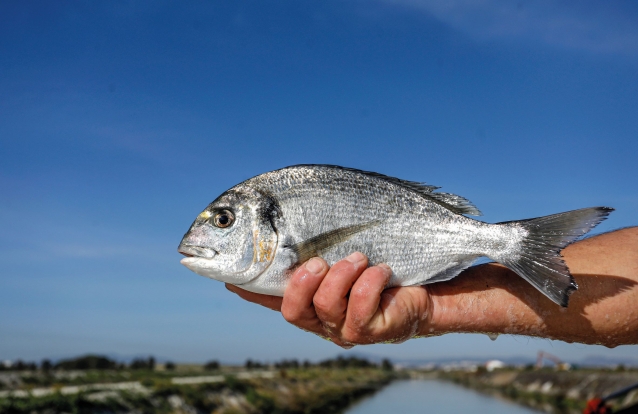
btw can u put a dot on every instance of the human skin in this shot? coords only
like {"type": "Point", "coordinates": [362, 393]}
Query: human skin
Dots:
{"type": "Point", "coordinates": [347, 303]}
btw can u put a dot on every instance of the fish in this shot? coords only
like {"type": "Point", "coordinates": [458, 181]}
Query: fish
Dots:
{"type": "Point", "coordinates": [258, 232]}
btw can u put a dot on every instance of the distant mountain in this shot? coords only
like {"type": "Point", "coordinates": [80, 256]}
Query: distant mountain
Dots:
{"type": "Point", "coordinates": [602, 361]}
{"type": "Point", "coordinates": [415, 362]}
{"type": "Point", "coordinates": [592, 360]}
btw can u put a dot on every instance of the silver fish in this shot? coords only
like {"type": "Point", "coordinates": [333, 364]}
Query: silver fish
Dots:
{"type": "Point", "coordinates": [255, 234]}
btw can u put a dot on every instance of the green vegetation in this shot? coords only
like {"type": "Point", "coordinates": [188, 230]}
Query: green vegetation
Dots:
{"type": "Point", "coordinates": [317, 390]}
{"type": "Point", "coordinates": [85, 362]}
{"type": "Point", "coordinates": [546, 389]}
{"type": "Point", "coordinates": [339, 362]}
{"type": "Point", "coordinates": [292, 387]}
{"type": "Point", "coordinates": [141, 363]}
{"type": "Point", "coordinates": [479, 381]}
{"type": "Point", "coordinates": [212, 365]}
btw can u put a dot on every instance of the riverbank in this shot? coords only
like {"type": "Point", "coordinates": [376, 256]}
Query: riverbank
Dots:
{"type": "Point", "coordinates": [311, 390]}
{"type": "Point", "coordinates": [299, 389]}
{"type": "Point", "coordinates": [564, 392]}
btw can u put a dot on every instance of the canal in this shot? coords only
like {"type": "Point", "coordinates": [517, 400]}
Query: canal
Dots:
{"type": "Point", "coordinates": [419, 396]}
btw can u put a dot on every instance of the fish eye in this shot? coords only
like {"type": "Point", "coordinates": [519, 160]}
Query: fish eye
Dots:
{"type": "Point", "coordinates": [224, 219]}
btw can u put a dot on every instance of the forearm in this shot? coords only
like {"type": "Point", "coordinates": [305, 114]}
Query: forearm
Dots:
{"type": "Point", "coordinates": [491, 298]}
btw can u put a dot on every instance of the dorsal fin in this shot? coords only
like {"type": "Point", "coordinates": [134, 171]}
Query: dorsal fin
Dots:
{"type": "Point", "coordinates": [421, 188]}
{"type": "Point", "coordinates": [456, 203]}
{"type": "Point", "coordinates": [452, 202]}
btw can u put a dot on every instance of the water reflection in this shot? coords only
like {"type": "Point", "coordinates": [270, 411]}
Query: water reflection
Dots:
{"type": "Point", "coordinates": [418, 396]}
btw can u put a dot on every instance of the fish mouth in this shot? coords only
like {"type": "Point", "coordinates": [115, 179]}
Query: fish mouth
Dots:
{"type": "Point", "coordinates": [197, 251]}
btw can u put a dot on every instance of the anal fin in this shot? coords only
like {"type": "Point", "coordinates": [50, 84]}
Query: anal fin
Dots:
{"type": "Point", "coordinates": [453, 270]}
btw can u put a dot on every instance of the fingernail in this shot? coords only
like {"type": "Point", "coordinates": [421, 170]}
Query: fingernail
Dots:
{"type": "Point", "coordinates": [314, 265]}
{"type": "Point", "coordinates": [385, 267]}
{"type": "Point", "coordinates": [356, 257]}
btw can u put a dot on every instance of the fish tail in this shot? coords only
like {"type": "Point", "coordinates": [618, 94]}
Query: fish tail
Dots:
{"type": "Point", "coordinates": [539, 260]}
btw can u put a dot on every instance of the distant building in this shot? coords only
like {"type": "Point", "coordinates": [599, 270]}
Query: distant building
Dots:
{"type": "Point", "coordinates": [467, 366]}
{"type": "Point", "coordinates": [494, 364]}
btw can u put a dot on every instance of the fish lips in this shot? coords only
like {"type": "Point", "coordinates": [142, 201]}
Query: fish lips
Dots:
{"type": "Point", "coordinates": [206, 266]}
{"type": "Point", "coordinates": [191, 251]}
{"type": "Point", "coordinates": [197, 259]}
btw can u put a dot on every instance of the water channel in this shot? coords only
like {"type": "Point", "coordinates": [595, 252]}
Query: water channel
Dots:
{"type": "Point", "coordinates": [431, 396]}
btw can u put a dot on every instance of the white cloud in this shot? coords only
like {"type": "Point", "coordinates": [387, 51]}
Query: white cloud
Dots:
{"type": "Point", "coordinates": [587, 26]}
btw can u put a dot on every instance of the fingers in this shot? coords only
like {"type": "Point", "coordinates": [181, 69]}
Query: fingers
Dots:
{"type": "Point", "coordinates": [271, 302]}
{"type": "Point", "coordinates": [330, 300]}
{"type": "Point", "coordinates": [365, 297]}
{"type": "Point", "coordinates": [348, 303]}
{"type": "Point", "coordinates": [297, 307]}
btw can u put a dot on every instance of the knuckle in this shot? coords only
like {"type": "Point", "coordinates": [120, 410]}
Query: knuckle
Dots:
{"type": "Point", "coordinates": [322, 303]}
{"type": "Point", "coordinates": [356, 324]}
{"type": "Point", "coordinates": [329, 327]}
{"type": "Point", "coordinates": [342, 268]}
{"type": "Point", "coordinates": [378, 274]}
{"type": "Point", "coordinates": [290, 317]}
{"type": "Point", "coordinates": [359, 293]}
{"type": "Point", "coordinates": [291, 314]}
{"type": "Point", "coordinates": [297, 279]}
{"type": "Point", "coordinates": [352, 337]}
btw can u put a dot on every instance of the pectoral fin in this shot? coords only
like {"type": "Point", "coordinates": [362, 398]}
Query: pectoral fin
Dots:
{"type": "Point", "coordinates": [314, 245]}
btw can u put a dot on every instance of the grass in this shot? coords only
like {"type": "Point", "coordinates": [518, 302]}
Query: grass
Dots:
{"type": "Point", "coordinates": [300, 390]}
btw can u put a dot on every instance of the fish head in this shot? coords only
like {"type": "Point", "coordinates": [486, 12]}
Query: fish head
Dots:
{"type": "Point", "coordinates": [234, 239]}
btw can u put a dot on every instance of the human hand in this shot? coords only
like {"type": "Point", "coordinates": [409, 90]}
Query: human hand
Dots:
{"type": "Point", "coordinates": [347, 303]}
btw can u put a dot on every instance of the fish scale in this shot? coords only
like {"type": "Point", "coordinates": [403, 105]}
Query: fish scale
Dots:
{"type": "Point", "coordinates": [281, 218]}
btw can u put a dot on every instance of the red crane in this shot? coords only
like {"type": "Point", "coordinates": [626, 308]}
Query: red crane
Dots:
{"type": "Point", "coordinates": [560, 365]}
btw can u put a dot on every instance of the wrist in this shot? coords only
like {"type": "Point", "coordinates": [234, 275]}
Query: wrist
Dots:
{"type": "Point", "coordinates": [483, 299]}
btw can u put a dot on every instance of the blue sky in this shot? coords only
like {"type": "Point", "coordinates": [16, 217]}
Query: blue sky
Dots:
{"type": "Point", "coordinates": [120, 121]}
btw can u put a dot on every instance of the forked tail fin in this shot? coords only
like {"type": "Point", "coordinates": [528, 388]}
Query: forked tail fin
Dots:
{"type": "Point", "coordinates": [540, 262]}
